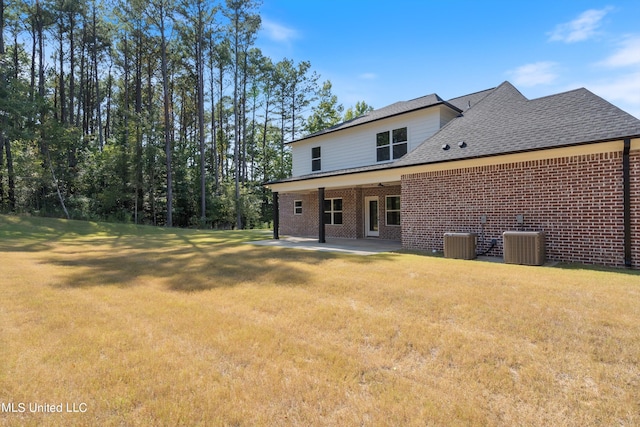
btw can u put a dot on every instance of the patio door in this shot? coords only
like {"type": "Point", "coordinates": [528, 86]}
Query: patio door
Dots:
{"type": "Point", "coordinates": [371, 216]}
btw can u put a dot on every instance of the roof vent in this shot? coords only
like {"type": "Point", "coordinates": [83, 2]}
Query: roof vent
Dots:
{"type": "Point", "coordinates": [445, 147]}
{"type": "Point", "coordinates": [462, 144]}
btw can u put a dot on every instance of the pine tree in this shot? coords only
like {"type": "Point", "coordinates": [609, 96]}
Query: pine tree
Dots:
{"type": "Point", "coordinates": [327, 112]}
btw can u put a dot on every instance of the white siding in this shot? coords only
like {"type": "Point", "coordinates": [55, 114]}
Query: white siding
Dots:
{"type": "Point", "coordinates": [356, 147]}
{"type": "Point", "coordinates": [447, 115]}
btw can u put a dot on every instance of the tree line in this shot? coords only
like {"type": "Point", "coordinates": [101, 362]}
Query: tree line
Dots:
{"type": "Point", "coordinates": [158, 112]}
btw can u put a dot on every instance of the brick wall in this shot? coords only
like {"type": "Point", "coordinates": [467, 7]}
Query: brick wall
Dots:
{"type": "Point", "coordinates": [305, 225]}
{"type": "Point", "coordinates": [577, 201]}
{"type": "Point", "coordinates": [635, 207]}
{"type": "Point", "coordinates": [387, 232]}
{"type": "Point", "coordinates": [350, 220]}
{"type": "Point", "coordinates": [352, 226]}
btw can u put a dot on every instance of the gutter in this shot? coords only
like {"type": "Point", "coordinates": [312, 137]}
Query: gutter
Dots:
{"type": "Point", "coordinates": [626, 191]}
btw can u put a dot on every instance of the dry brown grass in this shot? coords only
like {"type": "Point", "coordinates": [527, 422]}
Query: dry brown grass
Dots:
{"type": "Point", "coordinates": [167, 327]}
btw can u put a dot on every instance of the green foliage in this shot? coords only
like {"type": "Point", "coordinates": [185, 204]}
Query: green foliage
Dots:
{"type": "Point", "coordinates": [327, 112]}
{"type": "Point", "coordinates": [360, 109]}
{"type": "Point", "coordinates": [106, 193]}
{"type": "Point", "coordinates": [86, 127]}
{"type": "Point", "coordinates": [223, 212]}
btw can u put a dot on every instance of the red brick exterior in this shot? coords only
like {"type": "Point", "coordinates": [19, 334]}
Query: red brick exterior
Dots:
{"type": "Point", "coordinates": [352, 213]}
{"type": "Point", "coordinates": [577, 201]}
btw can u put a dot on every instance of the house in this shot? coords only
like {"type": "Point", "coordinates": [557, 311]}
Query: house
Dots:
{"type": "Point", "coordinates": [489, 162]}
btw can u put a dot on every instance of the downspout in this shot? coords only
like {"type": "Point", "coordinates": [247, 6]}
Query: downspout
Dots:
{"type": "Point", "coordinates": [626, 190]}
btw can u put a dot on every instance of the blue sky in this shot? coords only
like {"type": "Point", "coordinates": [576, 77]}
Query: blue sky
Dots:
{"type": "Point", "coordinates": [387, 51]}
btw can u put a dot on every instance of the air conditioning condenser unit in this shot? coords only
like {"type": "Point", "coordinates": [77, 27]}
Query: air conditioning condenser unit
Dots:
{"type": "Point", "coordinates": [524, 247]}
{"type": "Point", "coordinates": [460, 245]}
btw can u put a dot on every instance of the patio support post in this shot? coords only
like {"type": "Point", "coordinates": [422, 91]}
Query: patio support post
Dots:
{"type": "Point", "coordinates": [321, 236]}
{"type": "Point", "coordinates": [276, 216]}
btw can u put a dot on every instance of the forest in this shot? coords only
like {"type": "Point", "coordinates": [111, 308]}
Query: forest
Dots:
{"type": "Point", "coordinates": [160, 112]}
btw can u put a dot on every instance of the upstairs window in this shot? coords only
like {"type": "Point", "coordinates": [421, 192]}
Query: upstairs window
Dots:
{"type": "Point", "coordinates": [382, 144]}
{"type": "Point", "coordinates": [315, 159]}
{"type": "Point", "coordinates": [391, 145]}
{"type": "Point", "coordinates": [399, 146]}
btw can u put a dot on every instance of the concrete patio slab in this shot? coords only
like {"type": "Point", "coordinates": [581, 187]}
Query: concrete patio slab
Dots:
{"type": "Point", "coordinates": [345, 246]}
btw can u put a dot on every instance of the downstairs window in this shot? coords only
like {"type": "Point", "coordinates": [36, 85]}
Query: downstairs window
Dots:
{"type": "Point", "coordinates": [333, 211]}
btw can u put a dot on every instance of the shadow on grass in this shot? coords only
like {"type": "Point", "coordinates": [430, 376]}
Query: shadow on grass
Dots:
{"type": "Point", "coordinates": [195, 266]}
{"type": "Point", "coordinates": [27, 234]}
{"type": "Point", "coordinates": [592, 267]}
{"type": "Point", "coordinates": [96, 254]}
{"type": "Point", "coordinates": [183, 269]}
{"type": "Point", "coordinates": [36, 234]}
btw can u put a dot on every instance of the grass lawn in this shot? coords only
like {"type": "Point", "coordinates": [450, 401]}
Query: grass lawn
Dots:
{"type": "Point", "coordinates": [144, 326]}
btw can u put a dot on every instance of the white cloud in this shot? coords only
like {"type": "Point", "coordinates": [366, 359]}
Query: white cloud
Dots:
{"type": "Point", "coordinates": [368, 76]}
{"type": "Point", "coordinates": [625, 88]}
{"type": "Point", "coordinates": [582, 28]}
{"type": "Point", "coordinates": [627, 54]}
{"type": "Point", "coordinates": [538, 73]}
{"type": "Point", "coordinates": [278, 32]}
{"type": "Point", "coordinates": [622, 89]}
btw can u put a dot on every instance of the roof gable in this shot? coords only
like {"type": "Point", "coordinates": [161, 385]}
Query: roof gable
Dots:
{"type": "Point", "coordinates": [392, 110]}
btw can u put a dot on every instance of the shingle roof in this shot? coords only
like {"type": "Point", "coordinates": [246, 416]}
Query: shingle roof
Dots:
{"type": "Point", "coordinates": [467, 101]}
{"type": "Point", "coordinates": [504, 121]}
{"type": "Point", "coordinates": [395, 109]}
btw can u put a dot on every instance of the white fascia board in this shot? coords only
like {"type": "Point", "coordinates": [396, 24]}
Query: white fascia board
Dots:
{"type": "Point", "coordinates": [339, 181]}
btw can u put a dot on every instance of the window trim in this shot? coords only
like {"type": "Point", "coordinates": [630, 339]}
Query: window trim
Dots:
{"type": "Point", "coordinates": [296, 207]}
{"type": "Point", "coordinates": [333, 211]}
{"type": "Point", "coordinates": [383, 148]}
{"type": "Point", "coordinates": [404, 142]}
{"type": "Point", "coordinates": [389, 147]}
{"type": "Point", "coordinates": [316, 161]}
{"type": "Point", "coordinates": [387, 211]}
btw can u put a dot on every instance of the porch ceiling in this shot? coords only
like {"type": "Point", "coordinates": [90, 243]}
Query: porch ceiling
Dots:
{"type": "Point", "coordinates": [363, 180]}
